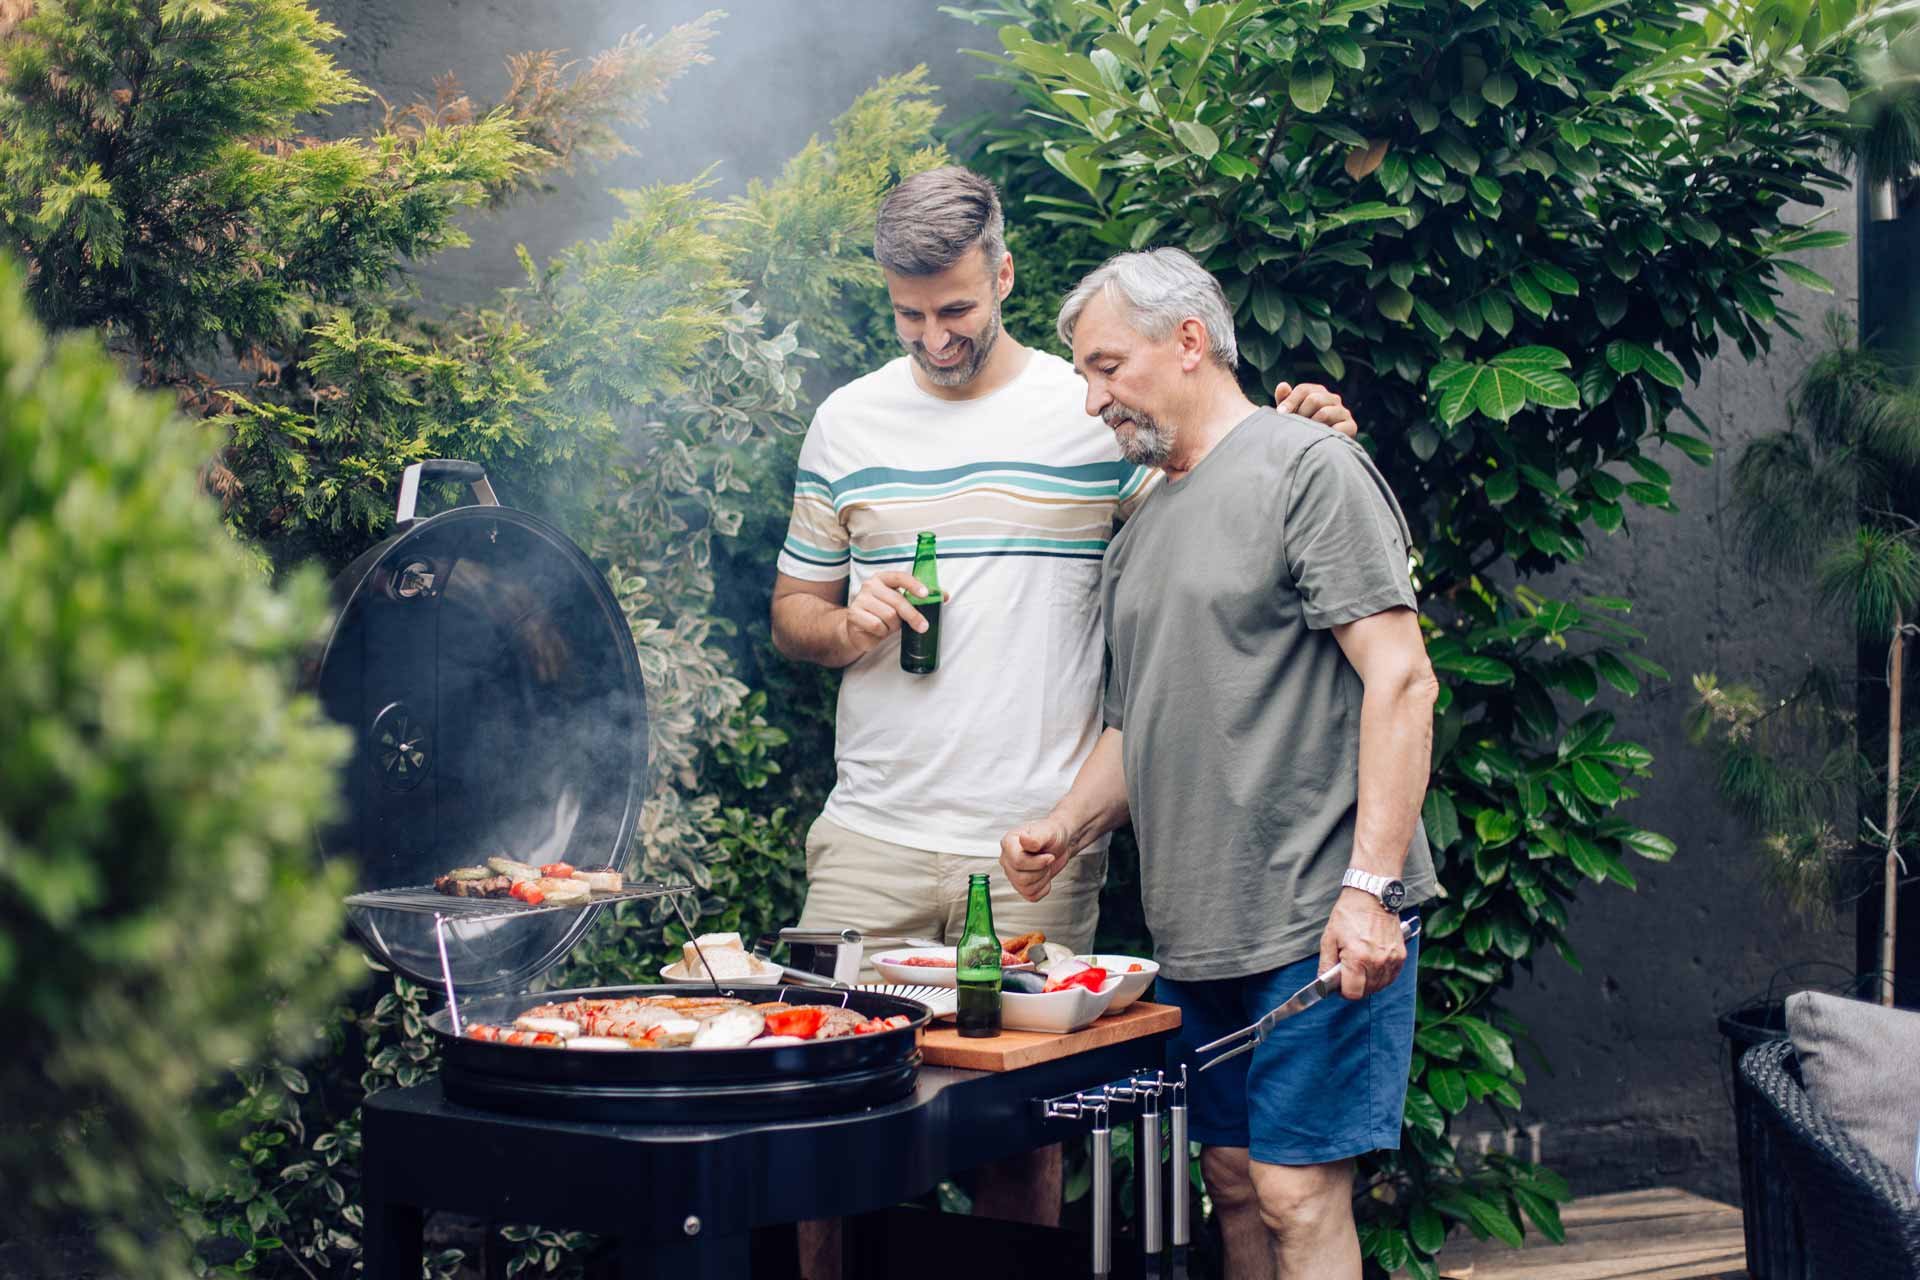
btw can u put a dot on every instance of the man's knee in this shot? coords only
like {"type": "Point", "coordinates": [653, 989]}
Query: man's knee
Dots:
{"type": "Point", "coordinates": [1226, 1170]}
{"type": "Point", "coordinates": [1303, 1202]}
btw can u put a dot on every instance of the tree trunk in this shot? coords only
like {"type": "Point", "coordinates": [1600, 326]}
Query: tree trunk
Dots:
{"type": "Point", "coordinates": [1896, 660]}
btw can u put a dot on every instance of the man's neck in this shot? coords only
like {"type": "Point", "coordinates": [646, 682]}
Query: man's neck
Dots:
{"type": "Point", "coordinates": [1217, 411]}
{"type": "Point", "coordinates": [1004, 363]}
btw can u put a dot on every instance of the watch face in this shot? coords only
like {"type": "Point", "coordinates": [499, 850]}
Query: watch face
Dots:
{"type": "Point", "coordinates": [1393, 895]}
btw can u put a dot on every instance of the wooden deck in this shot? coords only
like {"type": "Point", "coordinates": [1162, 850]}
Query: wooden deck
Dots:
{"type": "Point", "coordinates": [1662, 1234]}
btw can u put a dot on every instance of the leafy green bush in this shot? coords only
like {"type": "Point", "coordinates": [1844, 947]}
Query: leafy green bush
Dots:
{"type": "Point", "coordinates": [1511, 233]}
{"type": "Point", "coordinates": [161, 916]}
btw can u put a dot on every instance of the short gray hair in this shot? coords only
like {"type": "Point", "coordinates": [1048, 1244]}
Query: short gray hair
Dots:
{"type": "Point", "coordinates": [1158, 289]}
{"type": "Point", "coordinates": [927, 223]}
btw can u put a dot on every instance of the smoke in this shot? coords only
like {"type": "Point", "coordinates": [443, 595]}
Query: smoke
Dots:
{"type": "Point", "coordinates": [781, 70]}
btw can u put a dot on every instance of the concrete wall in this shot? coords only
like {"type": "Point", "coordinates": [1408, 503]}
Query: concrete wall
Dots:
{"type": "Point", "coordinates": [1636, 1091]}
{"type": "Point", "coordinates": [1636, 1096]}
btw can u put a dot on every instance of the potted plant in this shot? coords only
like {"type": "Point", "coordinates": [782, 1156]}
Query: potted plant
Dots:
{"type": "Point", "coordinates": [1822, 498]}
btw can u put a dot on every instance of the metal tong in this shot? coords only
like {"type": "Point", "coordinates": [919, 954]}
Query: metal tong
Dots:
{"type": "Point", "coordinates": [1246, 1039]}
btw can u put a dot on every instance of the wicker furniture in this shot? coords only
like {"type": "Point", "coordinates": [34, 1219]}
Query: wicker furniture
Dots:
{"type": "Point", "coordinates": [1858, 1218]}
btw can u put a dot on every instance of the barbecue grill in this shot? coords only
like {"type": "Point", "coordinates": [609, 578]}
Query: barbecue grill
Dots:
{"type": "Point", "coordinates": [492, 685]}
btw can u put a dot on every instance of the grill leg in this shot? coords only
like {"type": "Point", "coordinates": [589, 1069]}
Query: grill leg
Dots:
{"type": "Point", "coordinates": [390, 1241]}
{"type": "Point", "coordinates": [701, 1257]}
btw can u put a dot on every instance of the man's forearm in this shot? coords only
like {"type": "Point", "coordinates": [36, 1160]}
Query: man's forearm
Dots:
{"type": "Point", "coordinates": [1396, 757]}
{"type": "Point", "coordinates": [1097, 801]}
{"type": "Point", "coordinates": [808, 628]}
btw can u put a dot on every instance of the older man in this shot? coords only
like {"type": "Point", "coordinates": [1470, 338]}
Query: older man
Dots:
{"type": "Point", "coordinates": [1269, 723]}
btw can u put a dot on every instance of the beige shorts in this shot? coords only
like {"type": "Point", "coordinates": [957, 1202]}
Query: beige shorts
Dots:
{"type": "Point", "coordinates": [877, 887]}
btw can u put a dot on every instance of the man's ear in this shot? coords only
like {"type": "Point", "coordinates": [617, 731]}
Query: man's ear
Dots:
{"type": "Point", "coordinates": [1003, 280]}
{"type": "Point", "coordinates": [1193, 343]}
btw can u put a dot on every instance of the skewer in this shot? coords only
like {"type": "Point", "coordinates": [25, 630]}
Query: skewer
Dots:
{"type": "Point", "coordinates": [1149, 1166]}
{"type": "Point", "coordinates": [1102, 1193]}
{"type": "Point", "coordinates": [1181, 1190]}
{"type": "Point", "coordinates": [446, 972]}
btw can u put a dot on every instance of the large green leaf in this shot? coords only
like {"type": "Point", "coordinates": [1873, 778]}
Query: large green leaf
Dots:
{"type": "Point", "coordinates": [1310, 86]}
{"type": "Point", "coordinates": [1595, 781]}
{"type": "Point", "coordinates": [1197, 138]}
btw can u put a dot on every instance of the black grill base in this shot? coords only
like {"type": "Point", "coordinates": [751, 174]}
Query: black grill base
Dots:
{"type": "Point", "coordinates": [672, 1104]}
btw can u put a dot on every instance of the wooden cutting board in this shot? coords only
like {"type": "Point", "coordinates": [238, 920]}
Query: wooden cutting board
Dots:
{"type": "Point", "coordinates": [1011, 1050]}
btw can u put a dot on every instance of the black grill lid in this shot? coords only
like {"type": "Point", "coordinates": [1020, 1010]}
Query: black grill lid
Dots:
{"type": "Point", "coordinates": [491, 683]}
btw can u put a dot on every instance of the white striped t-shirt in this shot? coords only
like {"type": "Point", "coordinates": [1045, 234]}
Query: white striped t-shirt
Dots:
{"type": "Point", "coordinates": [1022, 489]}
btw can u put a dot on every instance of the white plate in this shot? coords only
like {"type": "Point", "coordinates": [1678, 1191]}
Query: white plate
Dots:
{"type": "Point", "coordinates": [1058, 1011]}
{"type": "Point", "coordinates": [1132, 985]}
{"type": "Point", "coordinates": [888, 963]}
{"type": "Point", "coordinates": [766, 975]}
{"type": "Point", "coordinates": [939, 999]}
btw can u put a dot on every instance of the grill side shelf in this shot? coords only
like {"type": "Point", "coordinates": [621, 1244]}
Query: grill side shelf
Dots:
{"type": "Point", "coordinates": [426, 900]}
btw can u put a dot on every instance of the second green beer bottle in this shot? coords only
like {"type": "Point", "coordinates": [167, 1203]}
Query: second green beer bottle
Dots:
{"type": "Point", "coordinates": [920, 650]}
{"type": "Point", "coordinates": [977, 965]}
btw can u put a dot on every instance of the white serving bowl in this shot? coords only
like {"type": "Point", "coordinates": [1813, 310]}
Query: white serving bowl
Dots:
{"type": "Point", "coordinates": [1058, 1011]}
{"type": "Point", "coordinates": [893, 967]}
{"type": "Point", "coordinates": [765, 975]}
{"type": "Point", "coordinates": [1132, 985]}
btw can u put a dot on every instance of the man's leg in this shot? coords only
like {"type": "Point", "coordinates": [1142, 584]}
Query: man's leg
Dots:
{"type": "Point", "coordinates": [1245, 1242]}
{"type": "Point", "coordinates": [1308, 1212]}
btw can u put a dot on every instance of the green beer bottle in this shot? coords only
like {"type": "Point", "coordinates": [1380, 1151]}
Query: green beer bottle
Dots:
{"type": "Point", "coordinates": [920, 650]}
{"type": "Point", "coordinates": [977, 971]}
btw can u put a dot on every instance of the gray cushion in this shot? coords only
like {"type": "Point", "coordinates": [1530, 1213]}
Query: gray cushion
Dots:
{"type": "Point", "coordinates": [1861, 1065]}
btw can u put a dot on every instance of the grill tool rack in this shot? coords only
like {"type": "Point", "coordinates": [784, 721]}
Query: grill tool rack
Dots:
{"type": "Point", "coordinates": [1144, 1092]}
{"type": "Point", "coordinates": [426, 900]}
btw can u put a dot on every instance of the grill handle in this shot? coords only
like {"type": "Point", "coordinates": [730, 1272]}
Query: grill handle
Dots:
{"type": "Point", "coordinates": [471, 474]}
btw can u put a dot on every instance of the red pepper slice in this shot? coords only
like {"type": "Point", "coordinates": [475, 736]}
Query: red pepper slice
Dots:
{"type": "Point", "coordinates": [801, 1020]}
{"type": "Point", "coordinates": [557, 870]}
{"type": "Point", "coordinates": [1092, 979]}
{"type": "Point", "coordinates": [528, 894]}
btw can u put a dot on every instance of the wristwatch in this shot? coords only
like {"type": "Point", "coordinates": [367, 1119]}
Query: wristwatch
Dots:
{"type": "Point", "coordinates": [1390, 891]}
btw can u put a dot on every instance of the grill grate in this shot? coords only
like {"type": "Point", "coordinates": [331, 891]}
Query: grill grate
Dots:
{"type": "Point", "coordinates": [426, 900]}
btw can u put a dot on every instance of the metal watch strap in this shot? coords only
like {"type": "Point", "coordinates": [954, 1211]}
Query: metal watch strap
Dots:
{"type": "Point", "coordinates": [1366, 882]}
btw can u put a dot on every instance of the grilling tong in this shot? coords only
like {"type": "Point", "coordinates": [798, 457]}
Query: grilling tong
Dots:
{"type": "Point", "coordinates": [1248, 1038]}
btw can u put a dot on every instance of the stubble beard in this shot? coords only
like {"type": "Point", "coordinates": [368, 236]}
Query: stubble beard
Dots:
{"type": "Point", "coordinates": [1147, 443]}
{"type": "Point", "coordinates": [959, 375]}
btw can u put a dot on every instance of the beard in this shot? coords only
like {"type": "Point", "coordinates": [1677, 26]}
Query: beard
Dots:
{"type": "Point", "coordinates": [973, 355]}
{"type": "Point", "coordinates": [1149, 443]}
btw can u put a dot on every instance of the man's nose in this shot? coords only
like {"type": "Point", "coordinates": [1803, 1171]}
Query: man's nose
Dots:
{"type": "Point", "coordinates": [936, 339]}
{"type": "Point", "coordinates": [1097, 400]}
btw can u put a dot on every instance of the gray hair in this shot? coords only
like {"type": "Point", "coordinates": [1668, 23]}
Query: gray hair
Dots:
{"type": "Point", "coordinates": [1158, 290]}
{"type": "Point", "coordinates": [927, 223]}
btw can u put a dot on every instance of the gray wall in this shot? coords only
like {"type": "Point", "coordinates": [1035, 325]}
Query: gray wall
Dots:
{"type": "Point", "coordinates": [1635, 1096]}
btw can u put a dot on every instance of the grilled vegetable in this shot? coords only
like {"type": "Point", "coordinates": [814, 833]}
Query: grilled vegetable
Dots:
{"type": "Point", "coordinates": [559, 870]}
{"type": "Point", "coordinates": [525, 891]}
{"type": "Point", "coordinates": [516, 871]}
{"type": "Point", "coordinates": [470, 873]}
{"type": "Point", "coordinates": [801, 1020]}
{"type": "Point", "coordinates": [601, 879]}
{"type": "Point", "coordinates": [558, 890]}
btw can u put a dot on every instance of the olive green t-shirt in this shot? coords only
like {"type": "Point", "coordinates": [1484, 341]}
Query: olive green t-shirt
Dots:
{"type": "Point", "coordinates": [1241, 715]}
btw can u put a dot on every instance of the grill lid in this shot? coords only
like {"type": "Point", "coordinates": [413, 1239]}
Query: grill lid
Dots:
{"type": "Point", "coordinates": [492, 686]}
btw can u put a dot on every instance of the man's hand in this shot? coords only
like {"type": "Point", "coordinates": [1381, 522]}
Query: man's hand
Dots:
{"type": "Point", "coordinates": [1311, 400]}
{"type": "Point", "coordinates": [1364, 940]}
{"type": "Point", "coordinates": [1033, 853]}
{"type": "Point", "coordinates": [881, 608]}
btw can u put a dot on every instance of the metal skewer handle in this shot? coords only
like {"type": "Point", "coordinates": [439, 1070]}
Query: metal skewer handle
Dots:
{"type": "Point", "coordinates": [1178, 1112]}
{"type": "Point", "coordinates": [1102, 1194]}
{"type": "Point", "coordinates": [1149, 1165]}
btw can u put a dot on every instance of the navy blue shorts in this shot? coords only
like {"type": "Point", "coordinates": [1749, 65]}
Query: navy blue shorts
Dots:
{"type": "Point", "coordinates": [1328, 1083]}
